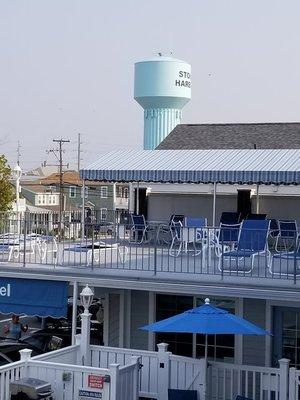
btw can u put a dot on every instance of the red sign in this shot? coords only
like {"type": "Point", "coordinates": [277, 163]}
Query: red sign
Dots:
{"type": "Point", "coordinates": [95, 381]}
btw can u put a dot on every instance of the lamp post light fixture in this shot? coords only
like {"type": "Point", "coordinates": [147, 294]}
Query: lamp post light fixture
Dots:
{"type": "Point", "coordinates": [86, 297]}
{"type": "Point", "coordinates": [17, 173]}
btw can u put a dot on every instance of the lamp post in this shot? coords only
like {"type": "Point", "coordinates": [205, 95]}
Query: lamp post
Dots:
{"type": "Point", "coordinates": [17, 173]}
{"type": "Point", "coordinates": [86, 297]}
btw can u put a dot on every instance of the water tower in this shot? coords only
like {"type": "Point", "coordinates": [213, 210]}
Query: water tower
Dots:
{"type": "Point", "coordinates": [162, 86]}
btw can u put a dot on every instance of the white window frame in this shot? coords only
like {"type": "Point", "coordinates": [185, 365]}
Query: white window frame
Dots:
{"type": "Point", "coordinates": [72, 192]}
{"type": "Point", "coordinates": [103, 211]}
{"type": "Point", "coordinates": [103, 192]}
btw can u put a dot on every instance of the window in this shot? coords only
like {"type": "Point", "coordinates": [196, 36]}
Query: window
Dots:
{"type": "Point", "coordinates": [220, 347]}
{"type": "Point", "coordinates": [167, 306]}
{"type": "Point", "coordinates": [72, 192]}
{"type": "Point", "coordinates": [103, 214]}
{"type": "Point", "coordinates": [103, 192]}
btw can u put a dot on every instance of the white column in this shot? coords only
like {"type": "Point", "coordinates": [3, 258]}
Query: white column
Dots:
{"type": "Point", "coordinates": [214, 204]}
{"type": "Point", "coordinates": [164, 371]}
{"type": "Point", "coordinates": [131, 197]}
{"type": "Point", "coordinates": [85, 338]}
{"type": "Point", "coordinates": [114, 377]}
{"type": "Point", "coordinates": [74, 311]}
{"type": "Point", "coordinates": [257, 198]}
{"type": "Point", "coordinates": [138, 198]}
{"type": "Point", "coordinates": [284, 378]}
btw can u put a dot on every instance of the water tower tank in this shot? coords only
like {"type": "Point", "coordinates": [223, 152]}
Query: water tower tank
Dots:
{"type": "Point", "coordinates": [162, 86]}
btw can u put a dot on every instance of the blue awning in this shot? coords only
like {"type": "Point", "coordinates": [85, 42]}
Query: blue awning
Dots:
{"type": "Point", "coordinates": [33, 297]}
{"type": "Point", "coordinates": [278, 166]}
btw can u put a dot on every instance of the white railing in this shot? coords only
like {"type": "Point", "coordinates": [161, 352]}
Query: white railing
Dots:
{"type": "Point", "coordinates": [66, 380]}
{"type": "Point", "coordinates": [102, 356]}
{"type": "Point", "coordinates": [186, 373]}
{"type": "Point", "coordinates": [120, 383]}
{"type": "Point", "coordinates": [9, 373]}
{"type": "Point", "coordinates": [226, 381]}
{"type": "Point", "coordinates": [294, 384]}
{"type": "Point", "coordinates": [160, 370]}
{"type": "Point", "coordinates": [67, 355]}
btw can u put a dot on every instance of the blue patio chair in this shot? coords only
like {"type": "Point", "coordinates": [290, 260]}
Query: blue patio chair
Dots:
{"type": "Point", "coordinates": [252, 242]}
{"type": "Point", "coordinates": [256, 216]}
{"type": "Point", "coordinates": [177, 394]}
{"type": "Point", "coordinates": [184, 237]}
{"type": "Point", "coordinates": [229, 218]}
{"type": "Point", "coordinates": [288, 234]}
{"type": "Point", "coordinates": [227, 237]}
{"type": "Point", "coordinates": [286, 263]}
{"type": "Point", "coordinates": [242, 398]}
{"type": "Point", "coordinates": [139, 229]}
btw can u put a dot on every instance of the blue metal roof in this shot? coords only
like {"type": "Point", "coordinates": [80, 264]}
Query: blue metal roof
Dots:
{"type": "Point", "coordinates": [197, 166]}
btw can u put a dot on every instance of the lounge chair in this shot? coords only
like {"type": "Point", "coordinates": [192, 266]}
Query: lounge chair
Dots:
{"type": "Point", "coordinates": [177, 394]}
{"type": "Point", "coordinates": [192, 232]}
{"type": "Point", "coordinates": [256, 216]}
{"type": "Point", "coordinates": [252, 243]}
{"type": "Point", "coordinates": [230, 218]}
{"type": "Point", "coordinates": [288, 234]}
{"type": "Point", "coordinates": [226, 238]}
{"type": "Point", "coordinates": [139, 229]}
{"type": "Point", "coordinates": [285, 263]}
{"type": "Point", "coordinates": [164, 234]}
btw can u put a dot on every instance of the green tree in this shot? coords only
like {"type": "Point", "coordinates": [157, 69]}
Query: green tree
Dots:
{"type": "Point", "coordinates": [7, 194]}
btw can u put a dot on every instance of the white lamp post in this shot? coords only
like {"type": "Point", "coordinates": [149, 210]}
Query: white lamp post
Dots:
{"type": "Point", "coordinates": [17, 173]}
{"type": "Point", "coordinates": [86, 297]}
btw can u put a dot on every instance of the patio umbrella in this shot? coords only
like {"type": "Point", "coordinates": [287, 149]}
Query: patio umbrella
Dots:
{"type": "Point", "coordinates": [206, 320]}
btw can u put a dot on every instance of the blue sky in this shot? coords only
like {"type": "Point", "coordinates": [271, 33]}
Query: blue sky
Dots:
{"type": "Point", "coordinates": [67, 67]}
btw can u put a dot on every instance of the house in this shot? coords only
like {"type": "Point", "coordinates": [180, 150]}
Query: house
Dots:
{"type": "Point", "coordinates": [101, 201]}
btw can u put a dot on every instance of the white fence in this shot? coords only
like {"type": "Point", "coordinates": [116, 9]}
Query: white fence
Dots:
{"type": "Point", "coordinates": [131, 373]}
{"type": "Point", "coordinates": [160, 370]}
{"type": "Point", "coordinates": [120, 383]}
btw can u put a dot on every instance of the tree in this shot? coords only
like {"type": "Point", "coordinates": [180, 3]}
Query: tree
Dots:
{"type": "Point", "coordinates": [7, 194]}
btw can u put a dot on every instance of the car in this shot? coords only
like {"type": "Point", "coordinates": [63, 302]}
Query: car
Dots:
{"type": "Point", "coordinates": [39, 342]}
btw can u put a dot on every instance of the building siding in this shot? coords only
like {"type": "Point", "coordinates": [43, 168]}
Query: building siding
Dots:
{"type": "Point", "coordinates": [139, 317]}
{"type": "Point", "coordinates": [113, 320]}
{"type": "Point", "coordinates": [254, 346]}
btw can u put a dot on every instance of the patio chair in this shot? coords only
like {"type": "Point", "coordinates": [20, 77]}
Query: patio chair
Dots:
{"type": "Point", "coordinates": [191, 232]}
{"type": "Point", "coordinates": [252, 243]}
{"type": "Point", "coordinates": [256, 216]}
{"type": "Point", "coordinates": [227, 237]}
{"type": "Point", "coordinates": [288, 234]}
{"type": "Point", "coordinates": [177, 394]}
{"type": "Point", "coordinates": [139, 229]}
{"type": "Point", "coordinates": [242, 398]}
{"type": "Point", "coordinates": [286, 263]}
{"type": "Point", "coordinates": [164, 233]}
{"type": "Point", "coordinates": [230, 218]}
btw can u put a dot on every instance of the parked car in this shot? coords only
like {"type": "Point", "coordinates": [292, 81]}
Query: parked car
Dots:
{"type": "Point", "coordinates": [57, 335]}
{"type": "Point", "coordinates": [39, 342]}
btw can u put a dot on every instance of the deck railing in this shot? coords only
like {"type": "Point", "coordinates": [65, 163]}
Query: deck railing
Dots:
{"type": "Point", "coordinates": [154, 249]}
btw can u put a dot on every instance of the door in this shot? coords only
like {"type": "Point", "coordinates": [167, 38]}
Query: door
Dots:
{"type": "Point", "coordinates": [286, 331]}
{"type": "Point", "coordinates": [244, 203]}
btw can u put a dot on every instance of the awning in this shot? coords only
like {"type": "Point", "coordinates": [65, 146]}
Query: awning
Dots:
{"type": "Point", "coordinates": [33, 297]}
{"type": "Point", "coordinates": [197, 166]}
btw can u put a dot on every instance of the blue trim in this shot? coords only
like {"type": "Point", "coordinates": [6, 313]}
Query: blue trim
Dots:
{"type": "Point", "coordinates": [172, 176]}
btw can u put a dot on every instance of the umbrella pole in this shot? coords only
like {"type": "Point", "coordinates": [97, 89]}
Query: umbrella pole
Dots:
{"type": "Point", "coordinates": [205, 354]}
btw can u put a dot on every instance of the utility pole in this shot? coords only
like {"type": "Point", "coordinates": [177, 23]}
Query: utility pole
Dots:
{"type": "Point", "coordinates": [79, 143]}
{"type": "Point", "coordinates": [59, 155]}
{"type": "Point", "coordinates": [18, 153]}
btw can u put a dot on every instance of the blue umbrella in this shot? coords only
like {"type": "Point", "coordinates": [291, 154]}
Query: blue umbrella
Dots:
{"type": "Point", "coordinates": [206, 320]}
